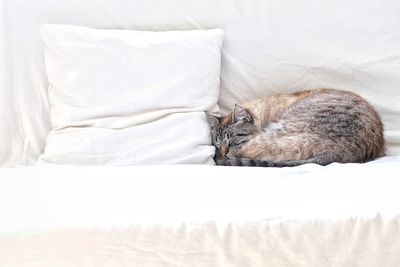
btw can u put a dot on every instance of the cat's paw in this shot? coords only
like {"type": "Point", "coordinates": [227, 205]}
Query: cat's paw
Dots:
{"type": "Point", "coordinates": [218, 160]}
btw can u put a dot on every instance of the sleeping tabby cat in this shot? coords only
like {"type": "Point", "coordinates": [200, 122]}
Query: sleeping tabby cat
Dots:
{"type": "Point", "coordinates": [314, 126]}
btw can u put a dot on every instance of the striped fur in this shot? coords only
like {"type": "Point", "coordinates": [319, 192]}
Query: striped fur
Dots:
{"type": "Point", "coordinates": [260, 163]}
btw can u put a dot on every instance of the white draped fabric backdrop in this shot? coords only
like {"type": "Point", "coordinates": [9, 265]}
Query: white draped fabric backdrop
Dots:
{"type": "Point", "coordinates": [270, 46]}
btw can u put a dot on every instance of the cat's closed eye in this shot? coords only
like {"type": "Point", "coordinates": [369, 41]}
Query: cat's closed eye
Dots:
{"type": "Point", "coordinates": [236, 141]}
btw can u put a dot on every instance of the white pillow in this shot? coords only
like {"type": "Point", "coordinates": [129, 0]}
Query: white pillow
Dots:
{"type": "Point", "coordinates": [122, 97]}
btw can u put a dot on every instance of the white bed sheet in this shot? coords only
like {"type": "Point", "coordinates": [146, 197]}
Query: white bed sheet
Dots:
{"type": "Point", "coordinates": [339, 215]}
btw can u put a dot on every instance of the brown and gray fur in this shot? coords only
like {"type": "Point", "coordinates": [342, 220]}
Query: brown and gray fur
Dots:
{"type": "Point", "coordinates": [315, 126]}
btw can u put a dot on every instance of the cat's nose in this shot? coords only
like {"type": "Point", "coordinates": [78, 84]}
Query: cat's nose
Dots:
{"type": "Point", "coordinates": [223, 150]}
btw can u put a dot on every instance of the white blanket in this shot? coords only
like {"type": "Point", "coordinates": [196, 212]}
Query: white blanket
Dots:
{"type": "Point", "coordinates": [339, 215]}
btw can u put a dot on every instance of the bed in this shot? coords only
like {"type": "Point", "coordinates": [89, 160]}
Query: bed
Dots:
{"type": "Point", "coordinates": [200, 214]}
{"type": "Point", "coordinates": [193, 215]}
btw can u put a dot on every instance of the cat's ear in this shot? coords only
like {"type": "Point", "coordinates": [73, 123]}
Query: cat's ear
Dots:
{"type": "Point", "coordinates": [241, 114]}
{"type": "Point", "coordinates": [212, 120]}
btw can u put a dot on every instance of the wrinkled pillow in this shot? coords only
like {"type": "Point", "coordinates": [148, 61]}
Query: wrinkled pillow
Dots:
{"type": "Point", "coordinates": [125, 97]}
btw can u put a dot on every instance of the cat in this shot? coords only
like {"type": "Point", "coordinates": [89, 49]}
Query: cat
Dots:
{"type": "Point", "coordinates": [319, 126]}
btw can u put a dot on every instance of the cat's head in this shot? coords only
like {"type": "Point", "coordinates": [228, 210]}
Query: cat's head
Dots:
{"type": "Point", "coordinates": [231, 130]}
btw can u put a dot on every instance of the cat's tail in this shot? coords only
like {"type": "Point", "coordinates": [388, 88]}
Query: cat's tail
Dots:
{"type": "Point", "coordinates": [261, 163]}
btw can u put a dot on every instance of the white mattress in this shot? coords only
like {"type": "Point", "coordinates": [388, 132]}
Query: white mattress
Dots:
{"type": "Point", "coordinates": [339, 215]}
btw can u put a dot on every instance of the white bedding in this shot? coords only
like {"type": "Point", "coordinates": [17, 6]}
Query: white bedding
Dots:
{"type": "Point", "coordinates": [339, 215]}
{"type": "Point", "coordinates": [194, 215]}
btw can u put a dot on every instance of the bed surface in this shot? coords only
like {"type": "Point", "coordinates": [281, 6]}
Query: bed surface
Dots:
{"type": "Point", "coordinates": [338, 215]}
